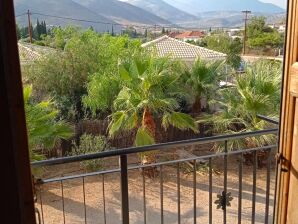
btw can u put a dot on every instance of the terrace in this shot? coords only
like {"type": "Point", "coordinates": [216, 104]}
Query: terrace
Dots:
{"type": "Point", "coordinates": [224, 187]}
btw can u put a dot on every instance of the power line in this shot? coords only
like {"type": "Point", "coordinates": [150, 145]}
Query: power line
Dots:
{"type": "Point", "coordinates": [23, 14]}
{"type": "Point", "coordinates": [91, 21]}
{"type": "Point", "coordinates": [153, 26]}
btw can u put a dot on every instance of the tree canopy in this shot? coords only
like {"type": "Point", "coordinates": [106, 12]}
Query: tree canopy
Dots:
{"type": "Point", "coordinates": [261, 35]}
{"type": "Point", "coordinates": [63, 75]}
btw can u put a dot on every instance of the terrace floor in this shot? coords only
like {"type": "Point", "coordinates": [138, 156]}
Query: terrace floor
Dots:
{"type": "Point", "coordinates": [74, 200]}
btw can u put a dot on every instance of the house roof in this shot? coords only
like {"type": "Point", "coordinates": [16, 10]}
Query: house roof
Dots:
{"type": "Point", "coordinates": [29, 52]}
{"type": "Point", "coordinates": [167, 46]}
{"type": "Point", "coordinates": [190, 34]}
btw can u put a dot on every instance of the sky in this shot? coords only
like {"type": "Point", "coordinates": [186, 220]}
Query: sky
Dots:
{"type": "Point", "coordinates": [281, 3]}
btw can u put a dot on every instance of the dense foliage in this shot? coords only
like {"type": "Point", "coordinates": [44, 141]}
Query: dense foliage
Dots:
{"type": "Point", "coordinates": [39, 30]}
{"type": "Point", "coordinates": [255, 92]}
{"type": "Point", "coordinates": [43, 127]}
{"type": "Point", "coordinates": [63, 75]}
{"type": "Point", "coordinates": [203, 79]}
{"type": "Point", "coordinates": [261, 35]}
{"type": "Point", "coordinates": [89, 74]}
{"type": "Point", "coordinates": [223, 43]}
{"type": "Point", "coordinates": [90, 144]}
{"type": "Point", "coordinates": [148, 87]}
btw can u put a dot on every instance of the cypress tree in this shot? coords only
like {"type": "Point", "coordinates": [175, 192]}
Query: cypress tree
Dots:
{"type": "Point", "coordinates": [146, 33]}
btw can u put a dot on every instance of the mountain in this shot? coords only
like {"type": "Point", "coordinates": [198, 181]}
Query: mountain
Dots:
{"type": "Point", "coordinates": [122, 12]}
{"type": "Point", "coordinates": [65, 8]}
{"type": "Point", "coordinates": [105, 12]}
{"type": "Point", "coordinates": [196, 7]}
{"type": "Point", "coordinates": [220, 19]}
{"type": "Point", "coordinates": [163, 10]}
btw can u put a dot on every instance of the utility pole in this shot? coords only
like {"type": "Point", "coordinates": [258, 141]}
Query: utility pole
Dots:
{"type": "Point", "coordinates": [29, 26]}
{"type": "Point", "coordinates": [155, 31]}
{"type": "Point", "coordinates": [246, 12]}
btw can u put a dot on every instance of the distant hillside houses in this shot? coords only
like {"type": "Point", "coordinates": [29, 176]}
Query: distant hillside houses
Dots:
{"type": "Point", "coordinates": [279, 27]}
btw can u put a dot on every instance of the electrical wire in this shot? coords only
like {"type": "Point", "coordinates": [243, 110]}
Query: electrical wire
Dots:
{"type": "Point", "coordinates": [153, 26]}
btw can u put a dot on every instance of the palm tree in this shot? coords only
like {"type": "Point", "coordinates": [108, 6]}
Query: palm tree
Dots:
{"type": "Point", "coordinates": [255, 92]}
{"type": "Point", "coordinates": [44, 131]}
{"type": "Point", "coordinates": [203, 79]}
{"type": "Point", "coordinates": [149, 89]}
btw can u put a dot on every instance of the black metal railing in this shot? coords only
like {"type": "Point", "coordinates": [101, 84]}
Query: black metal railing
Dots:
{"type": "Point", "coordinates": [223, 199]}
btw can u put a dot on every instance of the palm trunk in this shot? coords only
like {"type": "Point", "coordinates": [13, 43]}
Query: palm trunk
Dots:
{"type": "Point", "coordinates": [148, 122]}
{"type": "Point", "coordinates": [149, 157]}
{"type": "Point", "coordinates": [196, 107]}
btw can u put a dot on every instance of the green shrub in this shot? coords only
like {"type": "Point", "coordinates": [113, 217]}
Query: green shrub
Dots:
{"type": "Point", "coordinates": [90, 144]}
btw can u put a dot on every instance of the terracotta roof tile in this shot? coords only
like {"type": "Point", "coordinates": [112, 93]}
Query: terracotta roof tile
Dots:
{"type": "Point", "coordinates": [190, 34]}
{"type": "Point", "coordinates": [29, 52]}
{"type": "Point", "coordinates": [167, 46]}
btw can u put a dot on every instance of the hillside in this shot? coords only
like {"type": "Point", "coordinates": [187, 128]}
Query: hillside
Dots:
{"type": "Point", "coordinates": [163, 10]}
{"type": "Point", "coordinates": [122, 12]}
{"type": "Point", "coordinates": [196, 7]}
{"type": "Point", "coordinates": [65, 8]}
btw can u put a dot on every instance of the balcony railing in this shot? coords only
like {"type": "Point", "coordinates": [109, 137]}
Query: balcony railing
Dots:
{"type": "Point", "coordinates": [224, 196]}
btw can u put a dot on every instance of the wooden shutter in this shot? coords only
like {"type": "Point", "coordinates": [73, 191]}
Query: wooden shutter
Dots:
{"type": "Point", "coordinates": [287, 188]}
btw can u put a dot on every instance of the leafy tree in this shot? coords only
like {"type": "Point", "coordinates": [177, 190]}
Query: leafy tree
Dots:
{"type": "Point", "coordinates": [255, 92]}
{"type": "Point", "coordinates": [146, 33]}
{"type": "Point", "coordinates": [63, 75]}
{"type": "Point", "coordinates": [234, 53]}
{"type": "Point", "coordinates": [148, 89]}
{"type": "Point", "coordinates": [203, 79]}
{"type": "Point", "coordinates": [44, 130]}
{"type": "Point", "coordinates": [261, 36]}
{"type": "Point", "coordinates": [223, 43]}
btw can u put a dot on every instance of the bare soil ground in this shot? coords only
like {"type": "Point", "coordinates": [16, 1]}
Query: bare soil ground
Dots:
{"type": "Point", "coordinates": [75, 211]}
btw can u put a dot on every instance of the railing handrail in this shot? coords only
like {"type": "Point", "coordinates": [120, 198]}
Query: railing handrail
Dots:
{"type": "Point", "coordinates": [161, 146]}
{"type": "Point", "coordinates": [134, 167]}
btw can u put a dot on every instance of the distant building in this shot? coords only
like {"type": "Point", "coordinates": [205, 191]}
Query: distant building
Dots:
{"type": "Point", "coordinates": [282, 28]}
{"type": "Point", "coordinates": [279, 27]}
{"type": "Point", "coordinates": [173, 34]}
{"type": "Point", "coordinates": [190, 36]}
{"type": "Point", "coordinates": [235, 33]}
{"type": "Point", "coordinates": [167, 46]}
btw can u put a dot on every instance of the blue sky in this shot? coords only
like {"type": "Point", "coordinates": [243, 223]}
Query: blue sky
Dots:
{"type": "Point", "coordinates": [281, 3]}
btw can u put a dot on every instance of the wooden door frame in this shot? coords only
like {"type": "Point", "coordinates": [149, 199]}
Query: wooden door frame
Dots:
{"type": "Point", "coordinates": [287, 115]}
{"type": "Point", "coordinates": [16, 186]}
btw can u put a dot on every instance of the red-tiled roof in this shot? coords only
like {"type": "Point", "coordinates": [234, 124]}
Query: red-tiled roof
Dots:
{"type": "Point", "coordinates": [190, 34]}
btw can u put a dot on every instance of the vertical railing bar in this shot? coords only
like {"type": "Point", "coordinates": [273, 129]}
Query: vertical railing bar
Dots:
{"type": "Point", "coordinates": [195, 191]}
{"type": "Point", "coordinates": [254, 187]}
{"type": "Point", "coordinates": [62, 195]}
{"type": "Point", "coordinates": [240, 189]}
{"type": "Point", "coordinates": [268, 187]}
{"type": "Point", "coordinates": [210, 190]}
{"type": "Point", "coordinates": [144, 196]}
{"type": "Point", "coordinates": [84, 198]}
{"type": "Point", "coordinates": [124, 189]}
{"type": "Point", "coordinates": [161, 195]}
{"type": "Point", "coordinates": [104, 199]}
{"type": "Point", "coordinates": [41, 204]}
{"type": "Point", "coordinates": [225, 182]}
{"type": "Point", "coordinates": [178, 193]}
